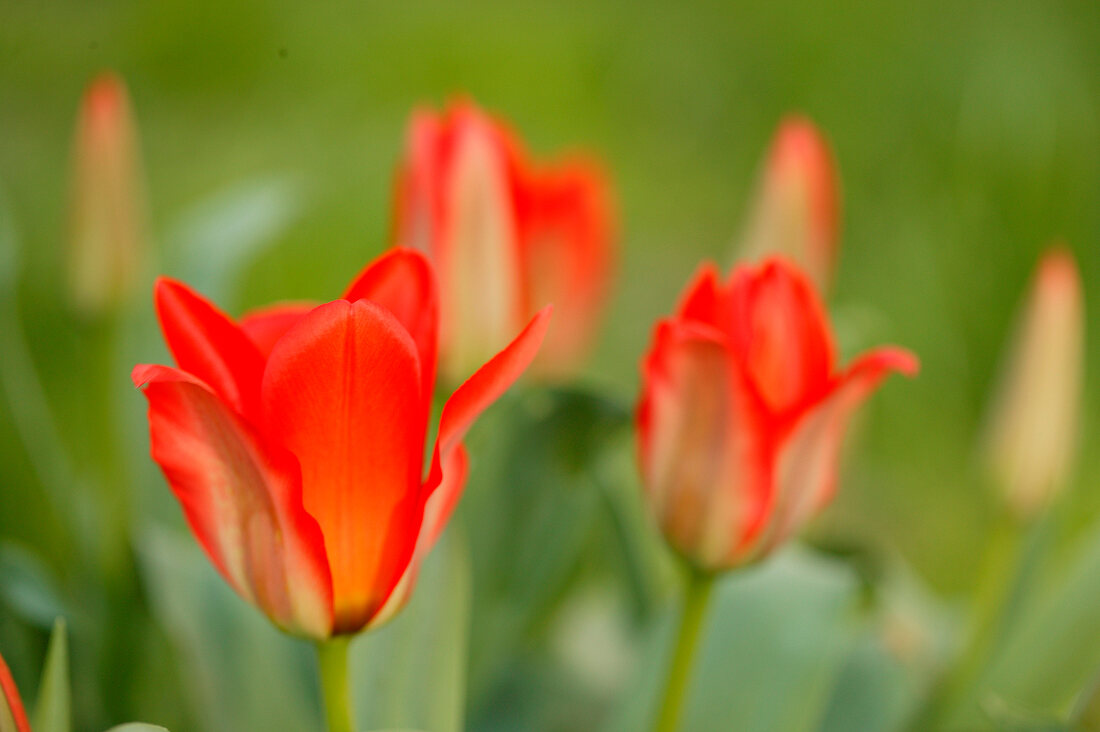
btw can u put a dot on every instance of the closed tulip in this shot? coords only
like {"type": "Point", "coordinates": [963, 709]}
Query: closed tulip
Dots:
{"type": "Point", "coordinates": [1034, 423]}
{"type": "Point", "coordinates": [12, 716]}
{"type": "Point", "coordinates": [107, 238]}
{"type": "Point", "coordinates": [796, 212]}
{"type": "Point", "coordinates": [294, 440]}
{"type": "Point", "coordinates": [507, 236]}
{"type": "Point", "coordinates": [743, 411]}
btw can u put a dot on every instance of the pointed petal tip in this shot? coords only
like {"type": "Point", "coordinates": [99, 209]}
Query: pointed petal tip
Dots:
{"type": "Point", "coordinates": [1058, 270]}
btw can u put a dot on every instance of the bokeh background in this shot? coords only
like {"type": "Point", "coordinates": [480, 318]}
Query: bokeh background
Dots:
{"type": "Point", "coordinates": [967, 136]}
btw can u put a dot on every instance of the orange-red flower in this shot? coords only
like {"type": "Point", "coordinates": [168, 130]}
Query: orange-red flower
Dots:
{"type": "Point", "coordinates": [12, 716]}
{"type": "Point", "coordinates": [294, 440]}
{"type": "Point", "coordinates": [742, 412]}
{"type": "Point", "coordinates": [507, 236]}
{"type": "Point", "coordinates": [797, 208]}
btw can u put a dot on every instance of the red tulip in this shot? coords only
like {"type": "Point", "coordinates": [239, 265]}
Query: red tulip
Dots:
{"type": "Point", "coordinates": [797, 208]}
{"type": "Point", "coordinates": [507, 236]}
{"type": "Point", "coordinates": [107, 241]}
{"type": "Point", "coordinates": [12, 716]}
{"type": "Point", "coordinates": [294, 440]}
{"type": "Point", "coordinates": [742, 412]}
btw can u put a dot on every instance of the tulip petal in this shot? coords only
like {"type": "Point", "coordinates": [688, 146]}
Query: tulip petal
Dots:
{"type": "Point", "coordinates": [437, 510]}
{"type": "Point", "coordinates": [782, 335]}
{"type": "Point", "coordinates": [481, 390]}
{"type": "Point", "coordinates": [265, 326]}
{"type": "Point", "coordinates": [208, 344]}
{"type": "Point", "coordinates": [564, 217]}
{"type": "Point", "coordinates": [705, 299]}
{"type": "Point", "coordinates": [477, 251]}
{"type": "Point", "coordinates": [807, 463]}
{"type": "Point", "coordinates": [342, 392]}
{"type": "Point", "coordinates": [403, 282]}
{"type": "Point", "coordinates": [13, 718]}
{"type": "Point", "coordinates": [704, 445]}
{"type": "Point", "coordinates": [243, 499]}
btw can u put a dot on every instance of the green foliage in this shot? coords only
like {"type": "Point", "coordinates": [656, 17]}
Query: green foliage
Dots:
{"type": "Point", "coordinates": [52, 711]}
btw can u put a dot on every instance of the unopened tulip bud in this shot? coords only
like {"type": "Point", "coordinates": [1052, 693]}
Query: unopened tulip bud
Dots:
{"type": "Point", "coordinates": [107, 236]}
{"type": "Point", "coordinates": [12, 716]}
{"type": "Point", "coordinates": [1033, 433]}
{"type": "Point", "coordinates": [743, 411]}
{"type": "Point", "coordinates": [796, 210]}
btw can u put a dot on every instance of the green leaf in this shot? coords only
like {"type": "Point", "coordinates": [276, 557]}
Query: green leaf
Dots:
{"type": "Point", "coordinates": [222, 233]}
{"type": "Point", "coordinates": [28, 587]}
{"type": "Point", "coordinates": [774, 641]}
{"type": "Point", "coordinates": [904, 642]}
{"type": "Point", "coordinates": [536, 512]}
{"type": "Point", "coordinates": [52, 712]}
{"type": "Point", "coordinates": [1056, 648]}
{"type": "Point", "coordinates": [412, 671]}
{"type": "Point", "coordinates": [244, 674]}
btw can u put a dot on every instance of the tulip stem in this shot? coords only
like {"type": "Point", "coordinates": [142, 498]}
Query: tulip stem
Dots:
{"type": "Point", "coordinates": [697, 594]}
{"type": "Point", "coordinates": [332, 660]}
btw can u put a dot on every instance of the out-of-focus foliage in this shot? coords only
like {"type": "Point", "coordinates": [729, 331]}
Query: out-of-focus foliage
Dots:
{"type": "Point", "coordinates": [967, 135]}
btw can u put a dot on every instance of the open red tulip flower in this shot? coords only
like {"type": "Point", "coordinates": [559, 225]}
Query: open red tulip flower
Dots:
{"type": "Point", "coordinates": [507, 236]}
{"type": "Point", "coordinates": [12, 716]}
{"type": "Point", "coordinates": [294, 440]}
{"type": "Point", "coordinates": [743, 411]}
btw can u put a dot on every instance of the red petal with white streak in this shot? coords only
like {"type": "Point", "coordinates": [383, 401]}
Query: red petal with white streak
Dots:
{"type": "Point", "coordinates": [242, 497]}
{"type": "Point", "coordinates": [807, 462]}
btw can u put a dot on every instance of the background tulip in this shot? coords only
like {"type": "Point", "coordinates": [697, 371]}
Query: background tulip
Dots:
{"type": "Point", "coordinates": [507, 235]}
{"type": "Point", "coordinates": [294, 440]}
{"type": "Point", "coordinates": [107, 238]}
{"type": "Point", "coordinates": [12, 716]}
{"type": "Point", "coordinates": [796, 209]}
{"type": "Point", "coordinates": [1034, 423]}
{"type": "Point", "coordinates": [742, 412]}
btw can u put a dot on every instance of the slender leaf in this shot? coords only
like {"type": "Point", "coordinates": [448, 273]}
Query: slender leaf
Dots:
{"type": "Point", "coordinates": [412, 672]}
{"type": "Point", "coordinates": [244, 674]}
{"type": "Point", "coordinates": [53, 710]}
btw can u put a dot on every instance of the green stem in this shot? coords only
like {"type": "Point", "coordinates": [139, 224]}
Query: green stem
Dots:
{"type": "Point", "coordinates": [696, 597]}
{"type": "Point", "coordinates": [332, 660]}
{"type": "Point", "coordinates": [1002, 572]}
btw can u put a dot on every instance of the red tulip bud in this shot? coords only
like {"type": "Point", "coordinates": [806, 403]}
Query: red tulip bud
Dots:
{"type": "Point", "coordinates": [107, 242]}
{"type": "Point", "coordinates": [796, 211]}
{"type": "Point", "coordinates": [1035, 418]}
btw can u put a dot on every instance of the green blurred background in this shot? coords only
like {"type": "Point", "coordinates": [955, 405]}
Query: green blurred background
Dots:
{"type": "Point", "coordinates": [967, 136]}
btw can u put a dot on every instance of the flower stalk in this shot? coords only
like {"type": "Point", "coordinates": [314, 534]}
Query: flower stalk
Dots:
{"type": "Point", "coordinates": [697, 594]}
{"type": "Point", "coordinates": [332, 662]}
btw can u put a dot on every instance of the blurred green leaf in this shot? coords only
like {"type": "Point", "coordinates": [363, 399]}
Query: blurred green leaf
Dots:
{"type": "Point", "coordinates": [52, 711]}
{"type": "Point", "coordinates": [412, 671]}
{"type": "Point", "coordinates": [1056, 648]}
{"type": "Point", "coordinates": [775, 640]}
{"type": "Point", "coordinates": [244, 673]}
{"type": "Point", "coordinates": [217, 237]}
{"type": "Point", "coordinates": [905, 639]}
{"type": "Point", "coordinates": [28, 586]}
{"type": "Point", "coordinates": [535, 513]}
